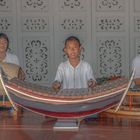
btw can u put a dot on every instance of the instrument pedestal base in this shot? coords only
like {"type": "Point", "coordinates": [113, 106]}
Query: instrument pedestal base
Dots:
{"type": "Point", "coordinates": [66, 125]}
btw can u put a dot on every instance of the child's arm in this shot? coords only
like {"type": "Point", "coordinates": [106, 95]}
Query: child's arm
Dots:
{"type": "Point", "coordinates": [91, 83]}
{"type": "Point", "coordinates": [56, 85]}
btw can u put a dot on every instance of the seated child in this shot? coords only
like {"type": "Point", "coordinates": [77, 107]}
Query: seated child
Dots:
{"type": "Point", "coordinates": [7, 57]}
{"type": "Point", "coordinates": [74, 73]}
{"type": "Point", "coordinates": [136, 66]}
{"type": "Point", "coordinates": [10, 64]}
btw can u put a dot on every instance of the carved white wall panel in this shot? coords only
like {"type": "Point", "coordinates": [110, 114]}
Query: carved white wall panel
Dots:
{"type": "Point", "coordinates": [136, 5]}
{"type": "Point", "coordinates": [36, 55]}
{"type": "Point", "coordinates": [35, 33]}
{"type": "Point", "coordinates": [73, 24]}
{"type": "Point", "coordinates": [111, 36]}
{"type": "Point", "coordinates": [6, 24]}
{"type": "Point", "coordinates": [110, 24]}
{"type": "Point", "coordinates": [110, 5]}
{"type": "Point", "coordinates": [35, 5]}
{"type": "Point", "coordinates": [137, 46]}
{"type": "Point", "coordinates": [137, 24]}
{"type": "Point", "coordinates": [134, 28]}
{"type": "Point", "coordinates": [5, 5]}
{"type": "Point", "coordinates": [108, 29]}
{"type": "Point", "coordinates": [72, 5]}
{"type": "Point", "coordinates": [110, 56]}
{"type": "Point", "coordinates": [35, 24]}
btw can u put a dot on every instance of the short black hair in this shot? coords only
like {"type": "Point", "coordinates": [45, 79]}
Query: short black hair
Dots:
{"type": "Point", "coordinates": [72, 38]}
{"type": "Point", "coordinates": [3, 35]}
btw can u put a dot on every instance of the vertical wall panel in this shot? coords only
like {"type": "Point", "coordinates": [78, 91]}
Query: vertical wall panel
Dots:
{"type": "Point", "coordinates": [109, 31]}
{"type": "Point", "coordinates": [111, 36]}
{"type": "Point", "coordinates": [35, 38]}
{"type": "Point", "coordinates": [134, 29]}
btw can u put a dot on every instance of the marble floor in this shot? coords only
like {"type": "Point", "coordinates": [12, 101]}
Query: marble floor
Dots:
{"type": "Point", "coordinates": [30, 126]}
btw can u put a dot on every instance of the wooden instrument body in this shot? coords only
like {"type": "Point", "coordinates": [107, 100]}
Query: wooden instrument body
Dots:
{"type": "Point", "coordinates": [72, 103]}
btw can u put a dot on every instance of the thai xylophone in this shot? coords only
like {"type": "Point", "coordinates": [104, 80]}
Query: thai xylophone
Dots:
{"type": "Point", "coordinates": [66, 95]}
{"type": "Point", "coordinates": [67, 103]}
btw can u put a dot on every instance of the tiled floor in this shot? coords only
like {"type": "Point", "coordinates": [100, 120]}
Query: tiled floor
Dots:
{"type": "Point", "coordinates": [30, 126]}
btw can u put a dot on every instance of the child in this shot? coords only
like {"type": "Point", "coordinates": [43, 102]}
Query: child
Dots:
{"type": "Point", "coordinates": [136, 66]}
{"type": "Point", "coordinates": [74, 73]}
{"type": "Point", "coordinates": [8, 57]}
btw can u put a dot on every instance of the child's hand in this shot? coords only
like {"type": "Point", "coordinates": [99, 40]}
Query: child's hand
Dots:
{"type": "Point", "coordinates": [56, 85]}
{"type": "Point", "coordinates": [21, 74]}
{"type": "Point", "coordinates": [91, 83]}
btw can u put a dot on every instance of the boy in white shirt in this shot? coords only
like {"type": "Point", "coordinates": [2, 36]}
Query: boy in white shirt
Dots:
{"type": "Point", "coordinates": [74, 73]}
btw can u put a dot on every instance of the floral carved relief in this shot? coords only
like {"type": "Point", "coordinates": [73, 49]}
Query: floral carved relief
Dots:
{"type": "Point", "coordinates": [36, 59]}
{"type": "Point", "coordinates": [110, 57]}
{"type": "Point", "coordinates": [73, 24]}
{"type": "Point", "coordinates": [35, 24]}
{"type": "Point", "coordinates": [5, 5]}
{"type": "Point", "coordinates": [137, 24]}
{"type": "Point", "coordinates": [35, 5]}
{"type": "Point", "coordinates": [5, 24]}
{"type": "Point", "coordinates": [72, 4]}
{"type": "Point", "coordinates": [110, 5]}
{"type": "Point", "coordinates": [110, 24]}
{"type": "Point", "coordinates": [138, 50]}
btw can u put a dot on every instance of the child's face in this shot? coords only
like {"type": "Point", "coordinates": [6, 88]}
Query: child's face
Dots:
{"type": "Point", "coordinates": [72, 49]}
{"type": "Point", "coordinates": [3, 45]}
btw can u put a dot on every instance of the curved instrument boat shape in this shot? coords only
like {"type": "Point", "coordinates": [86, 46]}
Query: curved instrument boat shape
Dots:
{"type": "Point", "coordinates": [67, 103]}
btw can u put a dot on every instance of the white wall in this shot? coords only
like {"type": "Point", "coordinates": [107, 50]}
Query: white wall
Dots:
{"type": "Point", "coordinates": [108, 29]}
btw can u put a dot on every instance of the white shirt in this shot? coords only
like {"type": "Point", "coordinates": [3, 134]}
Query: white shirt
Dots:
{"type": "Point", "coordinates": [74, 77]}
{"type": "Point", "coordinates": [136, 65]}
{"type": "Point", "coordinates": [11, 58]}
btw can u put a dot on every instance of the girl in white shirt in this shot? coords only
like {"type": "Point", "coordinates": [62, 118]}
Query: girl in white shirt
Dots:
{"type": "Point", "coordinates": [74, 73]}
{"type": "Point", "coordinates": [8, 57]}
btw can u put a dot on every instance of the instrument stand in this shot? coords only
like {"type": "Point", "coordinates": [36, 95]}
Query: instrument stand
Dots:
{"type": "Point", "coordinates": [66, 125]}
